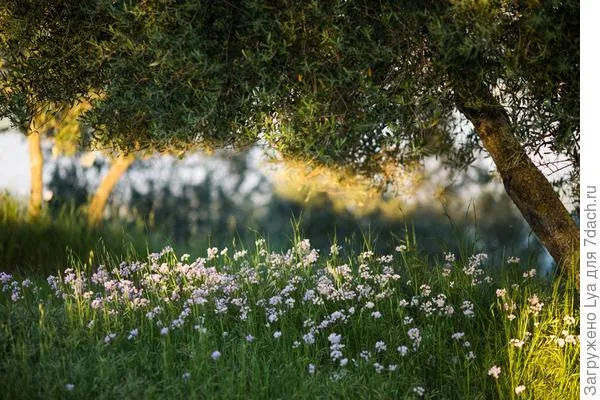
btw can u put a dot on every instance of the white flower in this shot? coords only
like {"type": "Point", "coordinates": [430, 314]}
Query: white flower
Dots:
{"type": "Point", "coordinates": [277, 334]}
{"type": "Point", "coordinates": [494, 371]}
{"type": "Point", "coordinates": [309, 338]}
{"type": "Point", "coordinates": [458, 335]}
{"type": "Point", "coordinates": [370, 304]}
{"type": "Point", "coordinates": [513, 260]}
{"type": "Point", "coordinates": [311, 368]}
{"type": "Point", "coordinates": [69, 387]}
{"type": "Point", "coordinates": [500, 292]}
{"type": "Point", "coordinates": [569, 320]}
{"type": "Point", "coordinates": [519, 389]}
{"type": "Point", "coordinates": [249, 338]}
{"type": "Point", "coordinates": [133, 334]}
{"type": "Point", "coordinates": [164, 331]}
{"type": "Point", "coordinates": [186, 376]}
{"type": "Point", "coordinates": [376, 314]}
{"type": "Point", "coordinates": [401, 248]}
{"type": "Point", "coordinates": [517, 343]}
{"type": "Point", "coordinates": [334, 338]}
{"type": "Point", "coordinates": [402, 350]}
{"type": "Point", "coordinates": [378, 367]}
{"type": "Point", "coordinates": [215, 355]}
{"type": "Point", "coordinates": [392, 367]}
{"type": "Point", "coordinates": [108, 338]}
{"type": "Point", "coordinates": [380, 346]}
{"type": "Point", "coordinates": [419, 390]}
{"type": "Point", "coordinates": [343, 362]}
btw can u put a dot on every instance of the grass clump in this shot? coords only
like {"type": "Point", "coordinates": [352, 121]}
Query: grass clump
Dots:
{"type": "Point", "coordinates": [251, 323]}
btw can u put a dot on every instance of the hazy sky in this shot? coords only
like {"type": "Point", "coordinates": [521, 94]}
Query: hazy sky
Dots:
{"type": "Point", "coordinates": [14, 163]}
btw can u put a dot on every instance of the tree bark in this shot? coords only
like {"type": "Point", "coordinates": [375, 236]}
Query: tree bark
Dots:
{"type": "Point", "coordinates": [36, 165]}
{"type": "Point", "coordinates": [118, 166]}
{"type": "Point", "coordinates": [525, 184]}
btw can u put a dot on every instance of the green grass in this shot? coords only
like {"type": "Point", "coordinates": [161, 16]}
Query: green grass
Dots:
{"type": "Point", "coordinates": [50, 242]}
{"type": "Point", "coordinates": [53, 337]}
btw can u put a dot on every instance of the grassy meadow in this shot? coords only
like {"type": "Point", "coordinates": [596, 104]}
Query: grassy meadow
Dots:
{"type": "Point", "coordinates": [247, 322]}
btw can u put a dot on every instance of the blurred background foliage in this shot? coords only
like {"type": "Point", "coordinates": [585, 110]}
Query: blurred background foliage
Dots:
{"type": "Point", "coordinates": [201, 201]}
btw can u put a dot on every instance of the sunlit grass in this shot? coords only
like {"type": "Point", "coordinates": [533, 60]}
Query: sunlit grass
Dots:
{"type": "Point", "coordinates": [253, 323]}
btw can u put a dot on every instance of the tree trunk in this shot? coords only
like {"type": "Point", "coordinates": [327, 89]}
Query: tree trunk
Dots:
{"type": "Point", "coordinates": [525, 184]}
{"type": "Point", "coordinates": [36, 165]}
{"type": "Point", "coordinates": [118, 166]}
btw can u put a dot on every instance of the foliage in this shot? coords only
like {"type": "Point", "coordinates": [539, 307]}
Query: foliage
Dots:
{"type": "Point", "coordinates": [242, 323]}
{"type": "Point", "coordinates": [356, 84]}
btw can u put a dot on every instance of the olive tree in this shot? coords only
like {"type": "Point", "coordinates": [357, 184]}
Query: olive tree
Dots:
{"type": "Point", "coordinates": [357, 84]}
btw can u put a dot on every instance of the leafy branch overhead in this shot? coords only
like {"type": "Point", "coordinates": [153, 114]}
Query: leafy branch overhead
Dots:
{"type": "Point", "coordinates": [356, 84]}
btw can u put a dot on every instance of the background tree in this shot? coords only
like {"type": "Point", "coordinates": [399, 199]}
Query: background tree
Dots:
{"type": "Point", "coordinates": [359, 84]}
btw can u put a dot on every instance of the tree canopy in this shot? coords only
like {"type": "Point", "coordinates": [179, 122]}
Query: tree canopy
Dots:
{"type": "Point", "coordinates": [352, 83]}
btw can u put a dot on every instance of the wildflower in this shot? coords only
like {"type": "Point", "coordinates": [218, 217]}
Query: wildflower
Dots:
{"type": "Point", "coordinates": [369, 304]}
{"type": "Point", "coordinates": [376, 314]}
{"type": "Point", "coordinates": [569, 320]}
{"type": "Point", "coordinates": [311, 369]}
{"type": "Point", "coordinates": [468, 309]}
{"type": "Point", "coordinates": [415, 335]}
{"type": "Point", "coordinates": [458, 335]}
{"type": "Point", "coordinates": [378, 367]}
{"type": "Point", "coordinates": [529, 274]}
{"type": "Point", "coordinates": [380, 346]}
{"type": "Point", "coordinates": [108, 338]}
{"type": "Point", "coordinates": [309, 338]}
{"type": "Point", "coordinates": [500, 292]}
{"type": "Point", "coordinates": [511, 317]}
{"type": "Point", "coordinates": [513, 260]}
{"type": "Point", "coordinates": [215, 355]}
{"type": "Point", "coordinates": [560, 342]}
{"type": "Point", "coordinates": [402, 350]}
{"type": "Point", "coordinates": [69, 387]}
{"type": "Point", "coordinates": [334, 338]}
{"type": "Point", "coordinates": [519, 389]}
{"type": "Point", "coordinates": [570, 339]}
{"type": "Point", "coordinates": [494, 371]}
{"type": "Point", "coordinates": [277, 334]}
{"type": "Point", "coordinates": [470, 356]}
{"type": "Point", "coordinates": [535, 305]}
{"type": "Point", "coordinates": [419, 391]}
{"type": "Point", "coordinates": [239, 254]}
{"type": "Point", "coordinates": [392, 367]}
{"type": "Point", "coordinates": [334, 250]}
{"type": "Point", "coordinates": [186, 376]}
{"type": "Point", "coordinates": [164, 331]}
{"type": "Point", "coordinates": [401, 248]}
{"type": "Point", "coordinates": [249, 338]}
{"type": "Point", "coordinates": [343, 362]}
{"type": "Point", "coordinates": [425, 290]}
{"type": "Point", "coordinates": [133, 334]}
{"type": "Point", "coordinates": [517, 343]}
